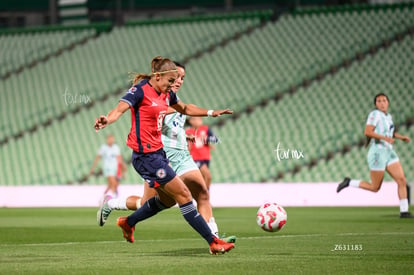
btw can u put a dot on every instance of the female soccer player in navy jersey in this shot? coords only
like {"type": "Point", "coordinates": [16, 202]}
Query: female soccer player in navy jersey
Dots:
{"type": "Point", "coordinates": [381, 134]}
{"type": "Point", "coordinates": [148, 101]}
{"type": "Point", "coordinates": [174, 140]}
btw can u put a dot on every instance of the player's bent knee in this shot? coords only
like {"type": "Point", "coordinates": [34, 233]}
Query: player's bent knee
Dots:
{"type": "Point", "coordinates": [204, 194]}
{"type": "Point", "coordinates": [187, 196]}
{"type": "Point", "coordinates": [183, 196]}
{"type": "Point", "coordinates": [178, 191]}
{"type": "Point", "coordinates": [376, 188]}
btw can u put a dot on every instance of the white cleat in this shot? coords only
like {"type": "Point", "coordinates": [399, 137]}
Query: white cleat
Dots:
{"type": "Point", "coordinates": [104, 211]}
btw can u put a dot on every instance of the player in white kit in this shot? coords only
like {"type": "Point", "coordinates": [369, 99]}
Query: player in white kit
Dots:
{"type": "Point", "coordinates": [112, 165]}
{"type": "Point", "coordinates": [381, 134]}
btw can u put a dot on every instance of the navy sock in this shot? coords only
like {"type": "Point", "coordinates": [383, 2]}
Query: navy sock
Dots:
{"type": "Point", "coordinates": [148, 209]}
{"type": "Point", "coordinates": [196, 221]}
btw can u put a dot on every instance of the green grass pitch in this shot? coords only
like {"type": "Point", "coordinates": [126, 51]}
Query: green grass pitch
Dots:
{"type": "Point", "coordinates": [314, 241]}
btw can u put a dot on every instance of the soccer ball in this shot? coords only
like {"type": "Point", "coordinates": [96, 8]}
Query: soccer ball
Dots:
{"type": "Point", "coordinates": [271, 217]}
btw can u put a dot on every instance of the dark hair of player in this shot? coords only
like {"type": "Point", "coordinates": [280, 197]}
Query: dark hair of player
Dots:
{"type": "Point", "coordinates": [378, 95]}
{"type": "Point", "coordinates": [178, 64]}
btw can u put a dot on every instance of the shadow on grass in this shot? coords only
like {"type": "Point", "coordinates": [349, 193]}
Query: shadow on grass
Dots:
{"type": "Point", "coordinates": [396, 216]}
{"type": "Point", "coordinates": [184, 252]}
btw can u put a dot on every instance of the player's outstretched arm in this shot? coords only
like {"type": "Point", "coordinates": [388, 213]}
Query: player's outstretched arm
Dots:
{"type": "Point", "coordinates": [402, 137]}
{"type": "Point", "coordinates": [193, 110]}
{"type": "Point", "coordinates": [112, 116]}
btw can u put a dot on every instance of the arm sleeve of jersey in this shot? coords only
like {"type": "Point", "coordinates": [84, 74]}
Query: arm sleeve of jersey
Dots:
{"type": "Point", "coordinates": [373, 118]}
{"type": "Point", "coordinates": [173, 98]}
{"type": "Point", "coordinates": [100, 151]}
{"type": "Point", "coordinates": [133, 96]}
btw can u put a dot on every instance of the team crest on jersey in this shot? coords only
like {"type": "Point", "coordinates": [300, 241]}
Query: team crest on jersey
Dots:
{"type": "Point", "coordinates": [132, 90]}
{"type": "Point", "coordinates": [161, 173]}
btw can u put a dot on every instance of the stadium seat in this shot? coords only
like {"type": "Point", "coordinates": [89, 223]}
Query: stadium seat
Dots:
{"type": "Point", "coordinates": [319, 118]}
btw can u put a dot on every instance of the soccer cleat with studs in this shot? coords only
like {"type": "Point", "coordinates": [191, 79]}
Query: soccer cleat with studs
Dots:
{"type": "Point", "coordinates": [220, 247]}
{"type": "Point", "coordinates": [343, 184]}
{"type": "Point", "coordinates": [229, 239]}
{"type": "Point", "coordinates": [406, 215]}
{"type": "Point", "coordinates": [104, 211]}
{"type": "Point", "coordinates": [126, 229]}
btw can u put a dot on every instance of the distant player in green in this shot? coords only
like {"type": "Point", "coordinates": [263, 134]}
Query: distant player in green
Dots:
{"type": "Point", "coordinates": [174, 140]}
{"type": "Point", "coordinates": [381, 134]}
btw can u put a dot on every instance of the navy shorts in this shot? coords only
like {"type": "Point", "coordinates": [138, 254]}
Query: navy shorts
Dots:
{"type": "Point", "coordinates": [153, 167]}
{"type": "Point", "coordinates": [202, 162]}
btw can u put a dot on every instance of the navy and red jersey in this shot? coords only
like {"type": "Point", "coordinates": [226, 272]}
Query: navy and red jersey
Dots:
{"type": "Point", "coordinates": [148, 109]}
{"type": "Point", "coordinates": [200, 149]}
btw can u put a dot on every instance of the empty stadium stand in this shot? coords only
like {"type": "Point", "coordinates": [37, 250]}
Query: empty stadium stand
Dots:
{"type": "Point", "coordinates": [94, 70]}
{"type": "Point", "coordinates": [321, 118]}
{"type": "Point", "coordinates": [19, 50]}
{"type": "Point", "coordinates": [304, 82]}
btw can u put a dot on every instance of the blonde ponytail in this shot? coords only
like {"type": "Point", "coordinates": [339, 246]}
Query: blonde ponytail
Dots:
{"type": "Point", "coordinates": [137, 77]}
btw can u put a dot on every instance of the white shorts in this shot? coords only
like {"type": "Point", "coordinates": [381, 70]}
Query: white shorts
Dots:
{"type": "Point", "coordinates": [180, 160]}
{"type": "Point", "coordinates": [109, 171]}
{"type": "Point", "coordinates": [379, 158]}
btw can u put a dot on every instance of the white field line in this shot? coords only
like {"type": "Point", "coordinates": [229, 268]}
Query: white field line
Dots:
{"type": "Point", "coordinates": [239, 238]}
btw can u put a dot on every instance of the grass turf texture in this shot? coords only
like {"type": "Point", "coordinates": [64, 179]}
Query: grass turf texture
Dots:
{"type": "Point", "coordinates": [68, 240]}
